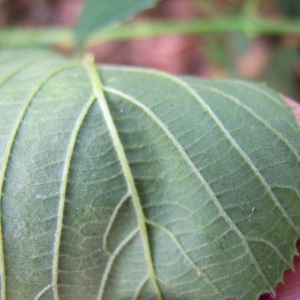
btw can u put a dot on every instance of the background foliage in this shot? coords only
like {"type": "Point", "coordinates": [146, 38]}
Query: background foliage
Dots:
{"type": "Point", "coordinates": [272, 57]}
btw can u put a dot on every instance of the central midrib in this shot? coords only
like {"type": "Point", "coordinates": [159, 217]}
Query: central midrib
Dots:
{"type": "Point", "coordinates": [99, 93]}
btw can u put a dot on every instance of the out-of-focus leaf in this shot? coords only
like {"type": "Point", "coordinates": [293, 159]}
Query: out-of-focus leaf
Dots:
{"type": "Point", "coordinates": [280, 71]}
{"type": "Point", "coordinates": [100, 14]}
{"type": "Point", "coordinates": [290, 7]}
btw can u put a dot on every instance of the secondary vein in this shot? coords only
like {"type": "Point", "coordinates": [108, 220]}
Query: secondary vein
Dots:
{"type": "Point", "coordinates": [198, 270]}
{"type": "Point", "coordinates": [195, 170]}
{"type": "Point", "coordinates": [255, 115]}
{"type": "Point", "coordinates": [215, 118]}
{"type": "Point", "coordinates": [111, 261]}
{"type": "Point", "coordinates": [6, 161]}
{"type": "Point", "coordinates": [63, 191]}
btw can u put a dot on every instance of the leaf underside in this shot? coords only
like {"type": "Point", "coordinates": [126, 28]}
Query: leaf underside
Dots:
{"type": "Point", "coordinates": [124, 183]}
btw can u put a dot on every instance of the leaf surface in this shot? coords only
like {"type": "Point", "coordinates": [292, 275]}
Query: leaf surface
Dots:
{"type": "Point", "coordinates": [100, 14]}
{"type": "Point", "coordinates": [124, 183]}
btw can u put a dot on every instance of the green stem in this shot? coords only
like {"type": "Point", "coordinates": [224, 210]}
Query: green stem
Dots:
{"type": "Point", "coordinates": [65, 37]}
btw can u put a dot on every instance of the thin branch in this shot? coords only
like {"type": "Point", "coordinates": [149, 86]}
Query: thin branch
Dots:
{"type": "Point", "coordinates": [52, 36]}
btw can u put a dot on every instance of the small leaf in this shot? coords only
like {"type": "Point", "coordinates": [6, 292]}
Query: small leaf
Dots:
{"type": "Point", "coordinates": [125, 183]}
{"type": "Point", "coordinates": [100, 14]}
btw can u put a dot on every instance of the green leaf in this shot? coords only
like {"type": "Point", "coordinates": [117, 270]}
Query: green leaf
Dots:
{"type": "Point", "coordinates": [100, 14]}
{"type": "Point", "coordinates": [124, 183]}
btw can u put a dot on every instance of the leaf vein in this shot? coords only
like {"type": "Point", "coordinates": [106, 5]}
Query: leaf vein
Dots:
{"type": "Point", "coordinates": [111, 261]}
{"type": "Point", "coordinates": [8, 155]}
{"type": "Point", "coordinates": [187, 257]}
{"type": "Point", "coordinates": [171, 288]}
{"type": "Point", "coordinates": [192, 166]}
{"type": "Point", "coordinates": [256, 116]}
{"type": "Point", "coordinates": [99, 93]}
{"type": "Point", "coordinates": [42, 292]}
{"type": "Point", "coordinates": [111, 221]}
{"type": "Point", "coordinates": [63, 191]}
{"type": "Point", "coordinates": [247, 160]}
{"type": "Point", "coordinates": [140, 287]}
{"type": "Point", "coordinates": [273, 247]}
{"type": "Point", "coordinates": [20, 68]}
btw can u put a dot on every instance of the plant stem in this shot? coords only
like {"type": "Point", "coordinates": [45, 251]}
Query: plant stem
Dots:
{"type": "Point", "coordinates": [62, 36]}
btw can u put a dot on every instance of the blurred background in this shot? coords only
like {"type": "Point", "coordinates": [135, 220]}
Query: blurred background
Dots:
{"type": "Point", "coordinates": [272, 58]}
